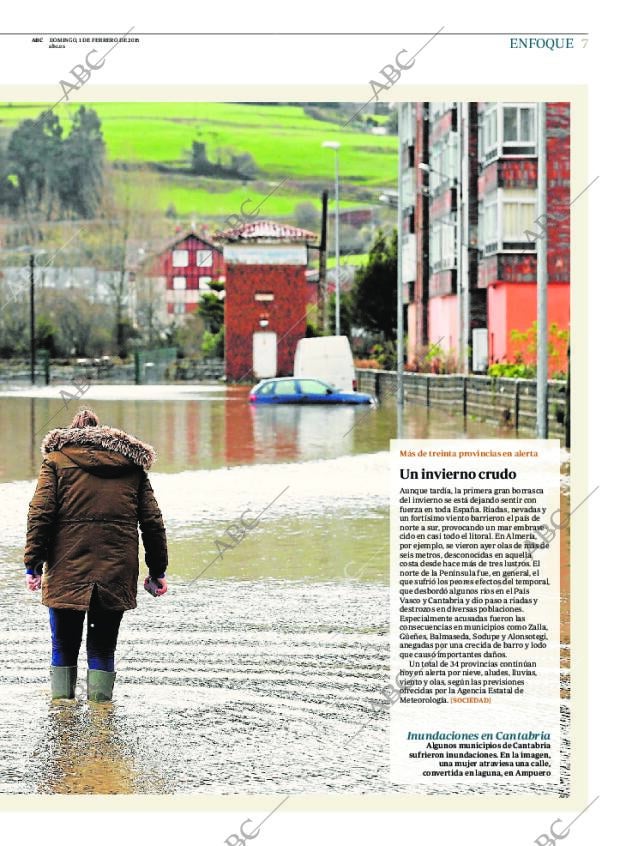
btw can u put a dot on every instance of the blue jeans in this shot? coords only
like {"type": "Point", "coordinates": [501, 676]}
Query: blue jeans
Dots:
{"type": "Point", "coordinates": [66, 627]}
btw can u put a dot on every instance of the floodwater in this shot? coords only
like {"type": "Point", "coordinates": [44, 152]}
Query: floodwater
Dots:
{"type": "Point", "coordinates": [258, 671]}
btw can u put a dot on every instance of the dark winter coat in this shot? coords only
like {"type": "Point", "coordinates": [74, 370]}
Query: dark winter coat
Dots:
{"type": "Point", "coordinates": [92, 494]}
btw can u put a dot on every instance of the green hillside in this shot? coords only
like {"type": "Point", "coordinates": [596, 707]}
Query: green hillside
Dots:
{"type": "Point", "coordinates": [154, 141]}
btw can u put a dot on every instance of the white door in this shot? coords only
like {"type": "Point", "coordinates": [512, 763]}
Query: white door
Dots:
{"type": "Point", "coordinates": [265, 354]}
{"type": "Point", "coordinates": [480, 353]}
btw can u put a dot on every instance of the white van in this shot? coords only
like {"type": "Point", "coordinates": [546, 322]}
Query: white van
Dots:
{"type": "Point", "coordinates": [329, 359]}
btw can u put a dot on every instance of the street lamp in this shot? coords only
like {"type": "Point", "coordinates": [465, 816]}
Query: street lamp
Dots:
{"type": "Point", "coordinates": [335, 146]}
{"type": "Point", "coordinates": [426, 168]}
{"type": "Point", "coordinates": [462, 304]}
{"type": "Point", "coordinates": [31, 264]}
{"type": "Point", "coordinates": [542, 341]}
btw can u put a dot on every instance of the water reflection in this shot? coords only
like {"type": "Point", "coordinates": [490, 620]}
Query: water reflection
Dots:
{"type": "Point", "coordinates": [84, 751]}
{"type": "Point", "coordinates": [213, 426]}
{"type": "Point", "coordinates": [293, 620]}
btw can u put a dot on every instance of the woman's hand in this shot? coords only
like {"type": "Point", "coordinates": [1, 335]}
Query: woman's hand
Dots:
{"type": "Point", "coordinates": [150, 582]}
{"type": "Point", "coordinates": [33, 582]}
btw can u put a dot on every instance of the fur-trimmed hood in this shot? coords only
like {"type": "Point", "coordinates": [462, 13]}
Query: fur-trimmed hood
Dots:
{"type": "Point", "coordinates": [101, 438]}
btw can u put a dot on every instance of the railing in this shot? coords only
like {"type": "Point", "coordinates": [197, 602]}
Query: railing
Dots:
{"type": "Point", "coordinates": [148, 369]}
{"type": "Point", "coordinates": [507, 402]}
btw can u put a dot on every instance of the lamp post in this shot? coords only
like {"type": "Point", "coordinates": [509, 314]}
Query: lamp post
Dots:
{"type": "Point", "coordinates": [463, 318]}
{"type": "Point", "coordinates": [400, 391]}
{"type": "Point", "coordinates": [335, 146]}
{"type": "Point", "coordinates": [33, 253]}
{"type": "Point", "coordinates": [33, 339]}
{"type": "Point", "coordinates": [390, 200]}
{"type": "Point", "coordinates": [542, 340]}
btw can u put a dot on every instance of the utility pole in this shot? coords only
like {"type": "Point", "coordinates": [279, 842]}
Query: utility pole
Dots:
{"type": "Point", "coordinates": [464, 234]}
{"type": "Point", "coordinates": [337, 233]}
{"type": "Point", "coordinates": [323, 319]}
{"type": "Point", "coordinates": [32, 327]}
{"type": "Point", "coordinates": [400, 398]}
{"type": "Point", "coordinates": [335, 146]}
{"type": "Point", "coordinates": [459, 239]}
{"type": "Point", "coordinates": [541, 281]}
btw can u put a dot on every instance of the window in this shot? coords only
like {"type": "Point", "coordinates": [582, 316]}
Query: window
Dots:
{"type": "Point", "coordinates": [510, 125]}
{"type": "Point", "coordinates": [203, 283]}
{"type": "Point", "coordinates": [505, 217]}
{"type": "Point", "coordinates": [179, 283]}
{"type": "Point", "coordinates": [519, 125]}
{"type": "Point", "coordinates": [263, 297]}
{"type": "Point", "coordinates": [488, 142]}
{"type": "Point", "coordinates": [444, 163]}
{"type": "Point", "coordinates": [266, 389]}
{"type": "Point", "coordinates": [507, 130]}
{"type": "Point", "coordinates": [518, 216]}
{"type": "Point", "coordinates": [204, 258]}
{"type": "Point", "coordinates": [439, 109]}
{"type": "Point", "coordinates": [180, 258]}
{"type": "Point", "coordinates": [487, 224]}
{"type": "Point", "coordinates": [179, 308]}
{"type": "Point", "coordinates": [285, 387]}
{"type": "Point", "coordinates": [443, 244]}
{"type": "Point", "coordinates": [311, 386]}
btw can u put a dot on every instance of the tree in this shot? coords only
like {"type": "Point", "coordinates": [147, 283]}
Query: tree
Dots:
{"type": "Point", "coordinates": [307, 216]}
{"type": "Point", "coordinates": [213, 344]}
{"type": "Point", "coordinates": [76, 317]}
{"type": "Point", "coordinates": [150, 308]}
{"type": "Point", "coordinates": [9, 186]}
{"type": "Point", "coordinates": [200, 163]}
{"type": "Point", "coordinates": [244, 165]}
{"type": "Point", "coordinates": [14, 325]}
{"type": "Point", "coordinates": [374, 294]}
{"type": "Point", "coordinates": [211, 308]}
{"type": "Point", "coordinates": [108, 245]}
{"type": "Point", "coordinates": [188, 336]}
{"type": "Point", "coordinates": [346, 311]}
{"type": "Point", "coordinates": [46, 334]}
{"type": "Point", "coordinates": [34, 161]}
{"type": "Point", "coordinates": [392, 122]}
{"type": "Point", "coordinates": [51, 176]}
{"type": "Point", "coordinates": [82, 165]}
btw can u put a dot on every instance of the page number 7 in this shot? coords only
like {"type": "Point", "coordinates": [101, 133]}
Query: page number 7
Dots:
{"type": "Point", "coordinates": [584, 42]}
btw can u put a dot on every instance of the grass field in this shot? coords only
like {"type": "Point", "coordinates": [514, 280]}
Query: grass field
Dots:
{"type": "Point", "coordinates": [219, 198]}
{"type": "Point", "coordinates": [351, 259]}
{"type": "Point", "coordinates": [282, 139]}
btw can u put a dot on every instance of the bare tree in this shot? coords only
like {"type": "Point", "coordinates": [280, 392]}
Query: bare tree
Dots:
{"type": "Point", "coordinates": [124, 223]}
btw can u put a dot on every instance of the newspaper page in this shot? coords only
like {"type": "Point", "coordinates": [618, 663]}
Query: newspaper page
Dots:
{"type": "Point", "coordinates": [295, 467]}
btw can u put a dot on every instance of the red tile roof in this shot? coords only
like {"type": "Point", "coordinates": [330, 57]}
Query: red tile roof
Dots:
{"type": "Point", "coordinates": [267, 230]}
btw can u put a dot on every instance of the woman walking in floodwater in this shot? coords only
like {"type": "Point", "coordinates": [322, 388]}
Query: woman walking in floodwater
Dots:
{"type": "Point", "coordinates": [92, 494]}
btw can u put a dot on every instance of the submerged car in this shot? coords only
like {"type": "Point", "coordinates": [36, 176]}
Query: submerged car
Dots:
{"type": "Point", "coordinates": [303, 391]}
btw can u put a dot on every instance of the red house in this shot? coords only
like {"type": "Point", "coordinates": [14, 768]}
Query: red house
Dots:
{"type": "Point", "coordinates": [188, 265]}
{"type": "Point", "coordinates": [266, 298]}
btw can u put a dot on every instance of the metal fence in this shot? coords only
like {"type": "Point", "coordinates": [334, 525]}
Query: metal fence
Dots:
{"type": "Point", "coordinates": [148, 367]}
{"type": "Point", "coordinates": [507, 402]}
{"type": "Point", "coordinates": [154, 366]}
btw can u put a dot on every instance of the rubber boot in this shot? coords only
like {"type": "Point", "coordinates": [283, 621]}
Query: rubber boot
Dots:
{"type": "Point", "coordinates": [100, 684]}
{"type": "Point", "coordinates": [63, 681]}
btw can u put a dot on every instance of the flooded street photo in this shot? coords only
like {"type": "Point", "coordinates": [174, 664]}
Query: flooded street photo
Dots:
{"type": "Point", "coordinates": [262, 668]}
